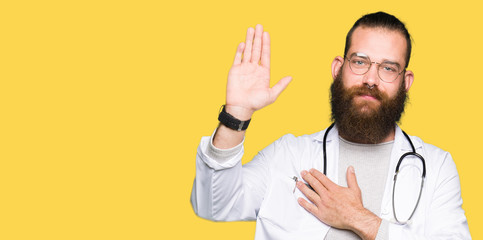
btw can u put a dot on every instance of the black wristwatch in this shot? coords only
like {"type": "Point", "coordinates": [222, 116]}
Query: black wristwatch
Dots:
{"type": "Point", "coordinates": [231, 122]}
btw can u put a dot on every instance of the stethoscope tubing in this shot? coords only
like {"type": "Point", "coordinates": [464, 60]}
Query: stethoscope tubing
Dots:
{"type": "Point", "coordinates": [413, 153]}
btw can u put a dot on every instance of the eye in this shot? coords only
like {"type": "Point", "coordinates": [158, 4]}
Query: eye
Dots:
{"type": "Point", "coordinates": [359, 62]}
{"type": "Point", "coordinates": [389, 68]}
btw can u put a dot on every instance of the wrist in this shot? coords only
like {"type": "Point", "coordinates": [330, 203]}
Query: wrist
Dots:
{"type": "Point", "coordinates": [366, 225]}
{"type": "Point", "coordinates": [241, 113]}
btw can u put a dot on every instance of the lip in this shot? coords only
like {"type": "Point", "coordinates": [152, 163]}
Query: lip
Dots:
{"type": "Point", "coordinates": [367, 97]}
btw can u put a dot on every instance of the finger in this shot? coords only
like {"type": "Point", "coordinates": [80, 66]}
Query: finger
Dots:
{"type": "Point", "coordinates": [257, 44]}
{"type": "Point", "coordinates": [352, 179]}
{"type": "Point", "coordinates": [266, 50]}
{"type": "Point", "coordinates": [279, 87]}
{"type": "Point", "coordinates": [316, 185]}
{"type": "Point", "coordinates": [308, 206]}
{"type": "Point", "coordinates": [247, 54]}
{"type": "Point", "coordinates": [239, 53]}
{"type": "Point", "coordinates": [311, 195]}
{"type": "Point", "coordinates": [326, 182]}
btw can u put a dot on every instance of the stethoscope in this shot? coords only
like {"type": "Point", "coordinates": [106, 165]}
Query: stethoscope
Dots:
{"type": "Point", "coordinates": [413, 153]}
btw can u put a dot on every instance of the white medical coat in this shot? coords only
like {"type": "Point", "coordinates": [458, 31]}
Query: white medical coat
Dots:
{"type": "Point", "coordinates": [263, 189]}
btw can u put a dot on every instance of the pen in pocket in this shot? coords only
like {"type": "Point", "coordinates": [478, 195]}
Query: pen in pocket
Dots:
{"type": "Point", "coordinates": [306, 184]}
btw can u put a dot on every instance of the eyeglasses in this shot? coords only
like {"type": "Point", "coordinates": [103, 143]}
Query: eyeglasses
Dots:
{"type": "Point", "coordinates": [360, 64]}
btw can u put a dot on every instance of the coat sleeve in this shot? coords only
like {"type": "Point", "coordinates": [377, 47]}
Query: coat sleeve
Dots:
{"type": "Point", "coordinates": [226, 190]}
{"type": "Point", "coordinates": [445, 216]}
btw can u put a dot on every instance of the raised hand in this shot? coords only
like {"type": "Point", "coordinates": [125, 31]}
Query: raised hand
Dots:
{"type": "Point", "coordinates": [248, 88]}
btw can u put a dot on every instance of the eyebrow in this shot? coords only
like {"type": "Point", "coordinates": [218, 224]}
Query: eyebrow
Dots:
{"type": "Point", "coordinates": [391, 62]}
{"type": "Point", "coordinates": [359, 54]}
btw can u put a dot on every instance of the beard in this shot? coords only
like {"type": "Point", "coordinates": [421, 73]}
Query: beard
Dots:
{"type": "Point", "coordinates": [365, 121]}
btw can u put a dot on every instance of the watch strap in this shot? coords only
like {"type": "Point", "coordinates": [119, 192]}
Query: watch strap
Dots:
{"type": "Point", "coordinates": [231, 122]}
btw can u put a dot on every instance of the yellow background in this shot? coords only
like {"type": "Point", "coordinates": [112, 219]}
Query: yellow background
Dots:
{"type": "Point", "coordinates": [103, 103]}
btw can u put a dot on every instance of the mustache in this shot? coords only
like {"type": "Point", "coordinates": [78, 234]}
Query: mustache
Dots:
{"type": "Point", "coordinates": [364, 90]}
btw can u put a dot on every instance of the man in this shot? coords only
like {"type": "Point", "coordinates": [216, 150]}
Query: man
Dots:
{"type": "Point", "coordinates": [306, 187]}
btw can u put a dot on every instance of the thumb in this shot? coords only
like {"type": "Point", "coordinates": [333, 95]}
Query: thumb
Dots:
{"type": "Point", "coordinates": [351, 179]}
{"type": "Point", "coordinates": [279, 87]}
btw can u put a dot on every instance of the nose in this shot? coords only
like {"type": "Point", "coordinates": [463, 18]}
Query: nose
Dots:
{"type": "Point", "coordinates": [371, 78]}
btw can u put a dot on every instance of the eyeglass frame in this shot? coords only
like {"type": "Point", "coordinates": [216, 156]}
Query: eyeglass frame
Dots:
{"type": "Point", "coordinates": [371, 62]}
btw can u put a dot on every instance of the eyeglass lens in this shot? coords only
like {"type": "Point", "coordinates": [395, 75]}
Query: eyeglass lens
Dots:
{"type": "Point", "coordinates": [360, 64]}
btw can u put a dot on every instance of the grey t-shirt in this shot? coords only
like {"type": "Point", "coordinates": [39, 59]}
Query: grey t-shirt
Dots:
{"type": "Point", "coordinates": [371, 163]}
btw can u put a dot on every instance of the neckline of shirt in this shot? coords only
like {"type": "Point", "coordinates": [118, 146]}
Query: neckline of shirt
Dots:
{"type": "Point", "coordinates": [365, 145]}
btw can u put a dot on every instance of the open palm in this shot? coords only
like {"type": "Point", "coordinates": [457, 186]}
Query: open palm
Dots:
{"type": "Point", "coordinates": [249, 78]}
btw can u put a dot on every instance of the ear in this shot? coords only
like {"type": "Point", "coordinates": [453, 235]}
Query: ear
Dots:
{"type": "Point", "coordinates": [337, 66]}
{"type": "Point", "coordinates": [409, 79]}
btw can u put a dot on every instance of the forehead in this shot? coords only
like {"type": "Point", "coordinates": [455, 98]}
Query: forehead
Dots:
{"type": "Point", "coordinates": [379, 44]}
